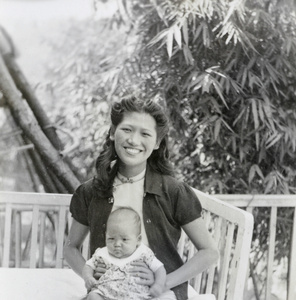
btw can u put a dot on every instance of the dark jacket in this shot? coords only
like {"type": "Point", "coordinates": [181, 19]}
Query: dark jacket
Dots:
{"type": "Point", "coordinates": [168, 204]}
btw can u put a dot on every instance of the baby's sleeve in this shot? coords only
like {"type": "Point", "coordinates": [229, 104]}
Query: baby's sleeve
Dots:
{"type": "Point", "coordinates": [95, 260]}
{"type": "Point", "coordinates": [90, 263]}
{"type": "Point", "coordinates": [155, 264]}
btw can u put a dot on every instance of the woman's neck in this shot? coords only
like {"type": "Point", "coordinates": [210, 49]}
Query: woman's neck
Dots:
{"type": "Point", "coordinates": [131, 171]}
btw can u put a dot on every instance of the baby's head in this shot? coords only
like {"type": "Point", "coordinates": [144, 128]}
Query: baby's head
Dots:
{"type": "Point", "coordinates": [123, 234]}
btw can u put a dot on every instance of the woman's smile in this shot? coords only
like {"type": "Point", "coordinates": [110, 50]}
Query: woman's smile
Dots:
{"type": "Point", "coordinates": [132, 151]}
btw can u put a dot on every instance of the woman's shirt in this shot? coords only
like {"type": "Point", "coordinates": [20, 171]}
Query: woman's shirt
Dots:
{"type": "Point", "coordinates": [168, 204]}
{"type": "Point", "coordinates": [129, 192]}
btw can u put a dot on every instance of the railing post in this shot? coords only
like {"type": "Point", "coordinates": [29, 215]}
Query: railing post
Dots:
{"type": "Point", "coordinates": [292, 274]}
{"type": "Point", "coordinates": [7, 235]}
{"type": "Point", "coordinates": [34, 236]}
{"type": "Point", "coordinates": [60, 235]}
{"type": "Point", "coordinates": [18, 239]}
{"type": "Point", "coordinates": [42, 239]}
{"type": "Point", "coordinates": [271, 248]}
{"type": "Point", "coordinates": [249, 209]}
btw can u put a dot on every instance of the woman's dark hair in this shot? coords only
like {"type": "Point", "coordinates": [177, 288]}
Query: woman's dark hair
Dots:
{"type": "Point", "coordinates": [107, 164]}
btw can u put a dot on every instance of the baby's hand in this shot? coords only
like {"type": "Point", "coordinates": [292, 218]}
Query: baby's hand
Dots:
{"type": "Point", "coordinates": [100, 270]}
{"type": "Point", "coordinates": [156, 290]}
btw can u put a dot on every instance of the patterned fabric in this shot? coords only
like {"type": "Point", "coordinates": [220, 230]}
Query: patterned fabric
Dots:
{"type": "Point", "coordinates": [117, 283]}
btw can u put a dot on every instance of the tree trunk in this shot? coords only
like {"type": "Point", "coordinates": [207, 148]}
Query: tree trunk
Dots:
{"type": "Point", "coordinates": [42, 172]}
{"type": "Point", "coordinates": [41, 116]}
{"type": "Point", "coordinates": [28, 94]}
{"type": "Point", "coordinates": [32, 130]}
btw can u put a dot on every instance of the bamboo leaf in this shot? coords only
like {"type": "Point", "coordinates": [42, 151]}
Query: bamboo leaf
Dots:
{"type": "Point", "coordinates": [260, 111]}
{"type": "Point", "coordinates": [185, 31]}
{"type": "Point", "coordinates": [270, 184]}
{"type": "Point", "coordinates": [251, 174]}
{"type": "Point", "coordinates": [218, 90]}
{"type": "Point", "coordinates": [160, 12]}
{"type": "Point", "coordinates": [256, 121]}
{"type": "Point", "coordinates": [215, 104]}
{"type": "Point", "coordinates": [239, 116]}
{"type": "Point", "coordinates": [206, 84]}
{"type": "Point", "coordinates": [235, 86]}
{"type": "Point", "coordinates": [230, 65]}
{"type": "Point", "coordinates": [217, 129]}
{"type": "Point", "coordinates": [272, 72]}
{"type": "Point", "coordinates": [251, 62]}
{"type": "Point", "coordinates": [177, 36]}
{"type": "Point", "coordinates": [234, 146]}
{"type": "Point", "coordinates": [272, 137]}
{"type": "Point", "coordinates": [244, 77]}
{"type": "Point", "coordinates": [161, 35]}
{"type": "Point", "coordinates": [187, 54]}
{"type": "Point", "coordinates": [225, 123]}
{"type": "Point", "coordinates": [197, 80]}
{"type": "Point", "coordinates": [227, 87]}
{"type": "Point", "coordinates": [258, 171]}
{"type": "Point", "coordinates": [197, 32]}
{"type": "Point", "coordinates": [277, 138]}
{"type": "Point", "coordinates": [268, 112]}
{"type": "Point", "coordinates": [230, 34]}
{"type": "Point", "coordinates": [241, 154]}
{"type": "Point", "coordinates": [169, 43]}
{"type": "Point", "coordinates": [236, 5]}
{"type": "Point", "coordinates": [205, 35]}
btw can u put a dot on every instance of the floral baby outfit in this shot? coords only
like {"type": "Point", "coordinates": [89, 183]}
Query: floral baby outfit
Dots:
{"type": "Point", "coordinates": [117, 282]}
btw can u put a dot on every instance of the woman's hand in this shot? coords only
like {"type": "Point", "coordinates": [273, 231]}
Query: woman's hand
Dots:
{"type": "Point", "coordinates": [156, 290]}
{"type": "Point", "coordinates": [100, 270]}
{"type": "Point", "coordinates": [143, 273]}
{"type": "Point", "coordinates": [88, 276]}
{"type": "Point", "coordinates": [90, 282]}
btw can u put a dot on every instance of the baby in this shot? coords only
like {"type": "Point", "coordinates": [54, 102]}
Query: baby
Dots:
{"type": "Point", "coordinates": [123, 246]}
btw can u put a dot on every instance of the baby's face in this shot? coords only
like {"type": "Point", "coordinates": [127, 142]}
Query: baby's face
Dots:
{"type": "Point", "coordinates": [122, 239]}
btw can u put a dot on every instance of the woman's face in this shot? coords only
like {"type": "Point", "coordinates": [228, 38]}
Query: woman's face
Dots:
{"type": "Point", "coordinates": [135, 138]}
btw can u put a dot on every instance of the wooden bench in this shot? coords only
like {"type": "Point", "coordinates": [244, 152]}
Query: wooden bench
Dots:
{"type": "Point", "coordinates": [231, 228]}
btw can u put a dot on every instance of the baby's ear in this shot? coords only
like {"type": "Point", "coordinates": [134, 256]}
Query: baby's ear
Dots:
{"type": "Point", "coordinates": [139, 238]}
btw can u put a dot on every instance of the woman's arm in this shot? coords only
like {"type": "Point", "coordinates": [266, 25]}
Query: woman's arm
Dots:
{"type": "Point", "coordinates": [72, 252]}
{"type": "Point", "coordinates": [160, 278]}
{"type": "Point", "coordinates": [206, 256]}
{"type": "Point", "coordinates": [88, 276]}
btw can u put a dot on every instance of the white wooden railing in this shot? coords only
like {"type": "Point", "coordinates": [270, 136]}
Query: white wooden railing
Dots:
{"type": "Point", "coordinates": [248, 202]}
{"type": "Point", "coordinates": [231, 229]}
{"type": "Point", "coordinates": [274, 202]}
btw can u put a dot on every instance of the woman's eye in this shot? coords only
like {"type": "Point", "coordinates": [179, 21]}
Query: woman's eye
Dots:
{"type": "Point", "coordinates": [146, 134]}
{"type": "Point", "coordinates": [126, 129]}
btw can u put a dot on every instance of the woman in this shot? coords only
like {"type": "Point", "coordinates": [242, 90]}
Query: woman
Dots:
{"type": "Point", "coordinates": [134, 170]}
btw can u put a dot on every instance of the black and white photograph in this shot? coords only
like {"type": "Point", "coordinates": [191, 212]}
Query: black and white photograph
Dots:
{"type": "Point", "coordinates": [147, 150]}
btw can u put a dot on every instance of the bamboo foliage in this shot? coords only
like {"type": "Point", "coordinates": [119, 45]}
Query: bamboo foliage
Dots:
{"type": "Point", "coordinates": [227, 73]}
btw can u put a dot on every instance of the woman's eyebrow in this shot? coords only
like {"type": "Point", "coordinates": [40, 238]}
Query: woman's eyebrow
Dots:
{"type": "Point", "coordinates": [133, 126]}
